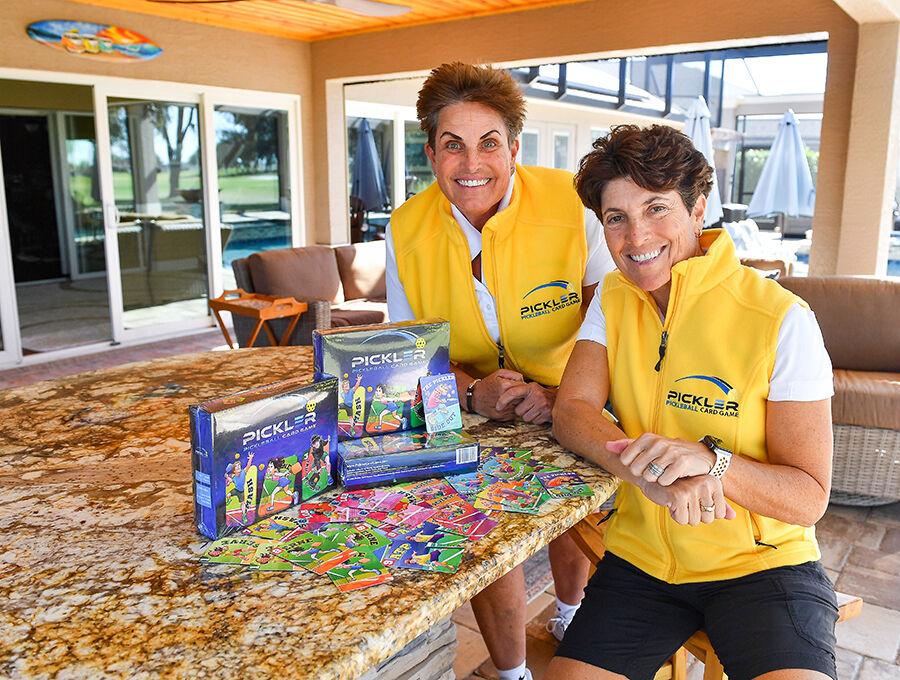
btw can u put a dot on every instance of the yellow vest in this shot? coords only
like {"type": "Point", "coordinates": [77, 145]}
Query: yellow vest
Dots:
{"type": "Point", "coordinates": [532, 261]}
{"type": "Point", "coordinates": [722, 322]}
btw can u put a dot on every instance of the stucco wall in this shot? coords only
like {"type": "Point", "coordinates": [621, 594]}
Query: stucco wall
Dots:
{"type": "Point", "coordinates": [192, 53]}
{"type": "Point", "coordinates": [591, 29]}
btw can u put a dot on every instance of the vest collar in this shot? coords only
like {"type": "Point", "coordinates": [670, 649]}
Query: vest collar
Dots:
{"type": "Point", "coordinates": [700, 273]}
{"type": "Point", "coordinates": [500, 223]}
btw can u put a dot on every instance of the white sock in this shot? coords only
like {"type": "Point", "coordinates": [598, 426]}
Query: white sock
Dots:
{"type": "Point", "coordinates": [566, 611]}
{"type": "Point", "coordinates": [517, 673]}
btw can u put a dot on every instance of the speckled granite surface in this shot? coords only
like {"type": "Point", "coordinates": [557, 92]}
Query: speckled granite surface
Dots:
{"type": "Point", "coordinates": [98, 568]}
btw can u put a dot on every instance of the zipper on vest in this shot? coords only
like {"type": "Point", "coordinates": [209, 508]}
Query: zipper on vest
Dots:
{"type": "Point", "coordinates": [501, 352]}
{"type": "Point", "coordinates": [657, 400]}
{"type": "Point", "coordinates": [664, 338]}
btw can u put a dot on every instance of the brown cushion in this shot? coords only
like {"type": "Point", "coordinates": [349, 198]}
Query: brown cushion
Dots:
{"type": "Point", "coordinates": [358, 313]}
{"type": "Point", "coordinates": [859, 317]}
{"type": "Point", "coordinates": [362, 270]}
{"type": "Point", "coordinates": [308, 273]}
{"type": "Point", "coordinates": [866, 399]}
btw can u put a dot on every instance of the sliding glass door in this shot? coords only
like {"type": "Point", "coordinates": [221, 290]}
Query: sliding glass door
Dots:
{"type": "Point", "coordinates": [190, 182]}
{"type": "Point", "coordinates": [253, 173]}
{"type": "Point", "coordinates": [158, 198]}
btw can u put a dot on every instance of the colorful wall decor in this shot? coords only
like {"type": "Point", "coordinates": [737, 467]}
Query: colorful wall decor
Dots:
{"type": "Point", "coordinates": [97, 41]}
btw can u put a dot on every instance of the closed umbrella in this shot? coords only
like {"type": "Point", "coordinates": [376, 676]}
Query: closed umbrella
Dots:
{"type": "Point", "coordinates": [696, 126]}
{"type": "Point", "coordinates": [368, 178]}
{"type": "Point", "coordinates": [785, 186]}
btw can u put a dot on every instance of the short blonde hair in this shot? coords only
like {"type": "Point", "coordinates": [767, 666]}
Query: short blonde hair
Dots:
{"type": "Point", "coordinates": [457, 82]}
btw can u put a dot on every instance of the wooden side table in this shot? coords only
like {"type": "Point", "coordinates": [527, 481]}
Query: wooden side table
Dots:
{"type": "Point", "coordinates": [263, 308]}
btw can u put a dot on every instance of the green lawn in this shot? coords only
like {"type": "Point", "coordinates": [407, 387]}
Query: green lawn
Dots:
{"type": "Point", "coordinates": [235, 191]}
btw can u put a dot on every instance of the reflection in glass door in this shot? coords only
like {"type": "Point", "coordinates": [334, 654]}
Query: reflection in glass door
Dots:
{"type": "Point", "coordinates": [81, 182]}
{"type": "Point", "coordinates": [253, 174]}
{"type": "Point", "coordinates": [158, 193]}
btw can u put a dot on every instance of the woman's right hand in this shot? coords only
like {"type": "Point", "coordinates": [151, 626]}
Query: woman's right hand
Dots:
{"type": "Point", "coordinates": [488, 391]}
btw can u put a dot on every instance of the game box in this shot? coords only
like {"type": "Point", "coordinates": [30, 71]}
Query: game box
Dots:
{"type": "Point", "coordinates": [258, 452]}
{"type": "Point", "coordinates": [378, 370]}
{"type": "Point", "coordinates": [403, 456]}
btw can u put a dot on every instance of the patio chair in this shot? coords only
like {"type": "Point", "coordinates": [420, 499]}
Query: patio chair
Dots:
{"type": "Point", "coordinates": [860, 318]}
{"type": "Point", "coordinates": [343, 286]}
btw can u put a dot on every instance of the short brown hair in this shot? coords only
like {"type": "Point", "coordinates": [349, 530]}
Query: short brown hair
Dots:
{"type": "Point", "coordinates": [457, 82]}
{"type": "Point", "coordinates": [656, 158]}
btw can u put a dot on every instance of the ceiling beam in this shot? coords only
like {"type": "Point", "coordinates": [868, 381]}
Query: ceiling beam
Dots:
{"type": "Point", "coordinates": [870, 11]}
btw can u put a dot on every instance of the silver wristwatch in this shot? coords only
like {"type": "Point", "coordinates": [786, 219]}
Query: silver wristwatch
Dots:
{"type": "Point", "coordinates": [723, 455]}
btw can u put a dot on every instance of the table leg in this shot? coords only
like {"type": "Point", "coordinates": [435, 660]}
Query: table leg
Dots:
{"type": "Point", "coordinates": [272, 341]}
{"type": "Point", "coordinates": [259, 324]}
{"type": "Point", "coordinates": [223, 329]}
{"type": "Point", "coordinates": [290, 330]}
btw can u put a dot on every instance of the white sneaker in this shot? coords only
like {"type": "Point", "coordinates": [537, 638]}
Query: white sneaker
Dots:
{"type": "Point", "coordinates": [527, 675]}
{"type": "Point", "coordinates": [557, 626]}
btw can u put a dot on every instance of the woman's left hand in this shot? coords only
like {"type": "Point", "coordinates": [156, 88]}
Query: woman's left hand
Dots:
{"type": "Point", "coordinates": [693, 500]}
{"type": "Point", "coordinates": [535, 402]}
{"type": "Point", "coordinates": [676, 458]}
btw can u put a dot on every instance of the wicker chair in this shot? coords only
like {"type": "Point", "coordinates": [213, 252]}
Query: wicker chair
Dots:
{"type": "Point", "coordinates": [860, 321]}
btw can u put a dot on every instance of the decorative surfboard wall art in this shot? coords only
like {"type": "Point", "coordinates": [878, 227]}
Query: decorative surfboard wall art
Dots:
{"type": "Point", "coordinates": [97, 41]}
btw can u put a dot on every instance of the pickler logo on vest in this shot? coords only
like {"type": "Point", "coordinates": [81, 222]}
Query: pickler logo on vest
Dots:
{"type": "Point", "coordinates": [548, 298]}
{"type": "Point", "coordinates": [691, 397]}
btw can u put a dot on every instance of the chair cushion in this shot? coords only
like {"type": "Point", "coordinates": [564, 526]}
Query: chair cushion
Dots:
{"type": "Point", "coordinates": [362, 269]}
{"type": "Point", "coordinates": [308, 273]}
{"type": "Point", "coordinates": [866, 399]}
{"type": "Point", "coordinates": [859, 318]}
{"type": "Point", "coordinates": [358, 313]}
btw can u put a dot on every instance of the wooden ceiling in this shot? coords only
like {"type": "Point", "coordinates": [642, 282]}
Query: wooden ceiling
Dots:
{"type": "Point", "coordinates": [302, 20]}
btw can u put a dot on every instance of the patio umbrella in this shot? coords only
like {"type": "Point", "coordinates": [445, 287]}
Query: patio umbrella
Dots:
{"type": "Point", "coordinates": [696, 126]}
{"type": "Point", "coordinates": [785, 185]}
{"type": "Point", "coordinates": [368, 178]}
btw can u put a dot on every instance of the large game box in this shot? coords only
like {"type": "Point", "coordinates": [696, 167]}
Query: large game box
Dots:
{"type": "Point", "coordinates": [403, 456]}
{"type": "Point", "coordinates": [258, 452]}
{"type": "Point", "coordinates": [378, 368]}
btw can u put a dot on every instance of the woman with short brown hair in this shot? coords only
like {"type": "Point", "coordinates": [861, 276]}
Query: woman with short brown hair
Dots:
{"type": "Point", "coordinates": [508, 255]}
{"type": "Point", "coordinates": [722, 388]}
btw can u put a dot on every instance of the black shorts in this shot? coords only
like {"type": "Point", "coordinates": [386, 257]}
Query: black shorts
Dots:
{"type": "Point", "coordinates": [630, 623]}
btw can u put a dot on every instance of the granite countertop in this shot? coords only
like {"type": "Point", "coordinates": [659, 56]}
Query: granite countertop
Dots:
{"type": "Point", "coordinates": [99, 575]}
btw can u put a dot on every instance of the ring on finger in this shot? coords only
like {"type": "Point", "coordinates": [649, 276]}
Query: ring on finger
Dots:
{"type": "Point", "coordinates": [655, 469]}
{"type": "Point", "coordinates": [707, 508]}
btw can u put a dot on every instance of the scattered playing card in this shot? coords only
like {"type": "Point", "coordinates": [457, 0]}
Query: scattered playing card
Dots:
{"type": "Point", "coordinates": [359, 571]}
{"type": "Point", "coordinates": [564, 484]}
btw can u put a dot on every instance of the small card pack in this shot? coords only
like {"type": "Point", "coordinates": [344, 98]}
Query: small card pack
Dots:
{"type": "Point", "coordinates": [440, 402]}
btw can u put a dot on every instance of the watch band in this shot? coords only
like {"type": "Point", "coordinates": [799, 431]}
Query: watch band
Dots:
{"type": "Point", "coordinates": [470, 395]}
{"type": "Point", "coordinates": [723, 455]}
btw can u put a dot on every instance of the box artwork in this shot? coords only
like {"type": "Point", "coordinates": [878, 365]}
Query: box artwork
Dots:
{"type": "Point", "coordinates": [378, 368]}
{"type": "Point", "coordinates": [260, 451]}
{"type": "Point", "coordinates": [403, 456]}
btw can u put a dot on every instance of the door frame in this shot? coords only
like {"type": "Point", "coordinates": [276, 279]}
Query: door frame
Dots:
{"type": "Point", "coordinates": [9, 311]}
{"type": "Point", "coordinates": [102, 93]}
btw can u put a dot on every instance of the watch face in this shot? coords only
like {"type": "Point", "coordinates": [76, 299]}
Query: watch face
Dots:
{"type": "Point", "coordinates": [713, 442]}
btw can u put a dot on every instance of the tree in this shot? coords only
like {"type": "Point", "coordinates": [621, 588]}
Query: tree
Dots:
{"type": "Point", "coordinates": [173, 121]}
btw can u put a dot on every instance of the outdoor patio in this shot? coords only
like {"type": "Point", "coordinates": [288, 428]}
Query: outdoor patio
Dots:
{"type": "Point", "coordinates": [860, 551]}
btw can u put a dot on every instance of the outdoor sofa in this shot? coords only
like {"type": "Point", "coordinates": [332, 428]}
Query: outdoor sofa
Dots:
{"type": "Point", "coordinates": [860, 322]}
{"type": "Point", "coordinates": [343, 286]}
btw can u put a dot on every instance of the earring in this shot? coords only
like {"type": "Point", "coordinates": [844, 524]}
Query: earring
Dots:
{"type": "Point", "coordinates": [698, 232]}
